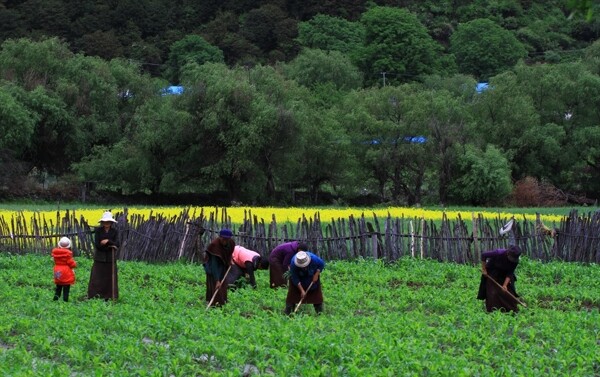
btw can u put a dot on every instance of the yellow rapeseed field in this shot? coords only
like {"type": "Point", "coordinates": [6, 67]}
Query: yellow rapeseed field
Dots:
{"type": "Point", "coordinates": [281, 215]}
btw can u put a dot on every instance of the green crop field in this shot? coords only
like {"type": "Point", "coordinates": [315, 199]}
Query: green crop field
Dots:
{"type": "Point", "coordinates": [410, 318]}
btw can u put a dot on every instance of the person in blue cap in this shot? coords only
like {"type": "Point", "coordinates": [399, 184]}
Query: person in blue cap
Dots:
{"type": "Point", "coordinates": [217, 259]}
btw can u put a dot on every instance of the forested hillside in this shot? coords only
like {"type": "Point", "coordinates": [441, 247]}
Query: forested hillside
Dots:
{"type": "Point", "coordinates": [288, 102]}
{"type": "Point", "coordinates": [266, 32]}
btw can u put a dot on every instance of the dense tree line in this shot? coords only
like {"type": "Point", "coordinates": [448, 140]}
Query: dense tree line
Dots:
{"type": "Point", "coordinates": [284, 99]}
{"type": "Point", "coordinates": [270, 31]}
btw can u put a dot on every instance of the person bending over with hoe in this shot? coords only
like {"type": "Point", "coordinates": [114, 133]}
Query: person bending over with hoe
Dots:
{"type": "Point", "coordinates": [305, 282]}
{"type": "Point", "coordinates": [497, 286]}
{"type": "Point", "coordinates": [279, 261]}
{"type": "Point", "coordinates": [217, 264]}
{"type": "Point", "coordinates": [245, 262]}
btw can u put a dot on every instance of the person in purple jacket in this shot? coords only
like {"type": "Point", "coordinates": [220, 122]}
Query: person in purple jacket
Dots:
{"type": "Point", "coordinates": [279, 261]}
{"type": "Point", "coordinates": [497, 286]}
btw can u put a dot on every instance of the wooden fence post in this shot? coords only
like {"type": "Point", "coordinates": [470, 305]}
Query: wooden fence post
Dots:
{"type": "Point", "coordinates": [181, 247]}
{"type": "Point", "coordinates": [374, 245]}
{"type": "Point", "coordinates": [422, 237]}
{"type": "Point", "coordinates": [412, 239]}
{"type": "Point", "coordinates": [153, 239]}
{"type": "Point", "coordinates": [475, 238]}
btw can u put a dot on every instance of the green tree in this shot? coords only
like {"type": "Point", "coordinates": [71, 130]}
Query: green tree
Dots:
{"type": "Point", "coordinates": [381, 125]}
{"type": "Point", "coordinates": [329, 33]}
{"type": "Point", "coordinates": [44, 18]}
{"type": "Point", "coordinates": [547, 36]}
{"type": "Point", "coordinates": [75, 102]}
{"type": "Point", "coordinates": [90, 91]}
{"type": "Point", "coordinates": [305, 9]}
{"type": "Point", "coordinates": [224, 32]}
{"type": "Point", "coordinates": [30, 64]}
{"type": "Point", "coordinates": [105, 45]}
{"type": "Point", "coordinates": [74, 99]}
{"type": "Point", "coordinates": [444, 119]}
{"type": "Point", "coordinates": [506, 13]}
{"type": "Point", "coordinates": [325, 157]}
{"type": "Point", "coordinates": [53, 144]}
{"type": "Point", "coordinates": [190, 49]}
{"type": "Point", "coordinates": [502, 115]}
{"type": "Point", "coordinates": [232, 118]}
{"type": "Point", "coordinates": [407, 136]}
{"type": "Point", "coordinates": [312, 68]}
{"type": "Point", "coordinates": [269, 28]}
{"type": "Point", "coordinates": [116, 168]}
{"type": "Point", "coordinates": [586, 175]}
{"type": "Point", "coordinates": [483, 176]}
{"type": "Point", "coordinates": [585, 8]}
{"type": "Point", "coordinates": [565, 96]}
{"type": "Point", "coordinates": [155, 156]}
{"type": "Point", "coordinates": [281, 150]}
{"type": "Point", "coordinates": [17, 122]}
{"type": "Point", "coordinates": [88, 16]}
{"type": "Point", "coordinates": [133, 89]}
{"type": "Point", "coordinates": [591, 58]}
{"type": "Point", "coordinates": [484, 49]}
{"type": "Point", "coordinates": [397, 43]}
{"type": "Point", "coordinates": [459, 85]}
{"type": "Point", "coordinates": [11, 24]}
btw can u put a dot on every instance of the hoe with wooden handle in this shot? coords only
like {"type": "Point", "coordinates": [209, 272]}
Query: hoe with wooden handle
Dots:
{"type": "Point", "coordinates": [114, 277]}
{"type": "Point", "coordinates": [499, 286]}
{"type": "Point", "coordinates": [302, 299]}
{"type": "Point", "coordinates": [217, 290]}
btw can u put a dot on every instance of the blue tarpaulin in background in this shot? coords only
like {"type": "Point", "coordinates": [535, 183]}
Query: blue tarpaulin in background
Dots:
{"type": "Point", "coordinates": [172, 90]}
{"type": "Point", "coordinates": [481, 87]}
{"type": "Point", "coordinates": [405, 139]}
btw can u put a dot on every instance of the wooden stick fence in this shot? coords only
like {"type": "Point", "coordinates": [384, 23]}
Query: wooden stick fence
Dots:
{"type": "Point", "coordinates": [185, 236]}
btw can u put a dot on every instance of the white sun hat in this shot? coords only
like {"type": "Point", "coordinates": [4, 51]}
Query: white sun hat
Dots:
{"type": "Point", "coordinates": [107, 216]}
{"type": "Point", "coordinates": [302, 259]}
{"type": "Point", "coordinates": [65, 243]}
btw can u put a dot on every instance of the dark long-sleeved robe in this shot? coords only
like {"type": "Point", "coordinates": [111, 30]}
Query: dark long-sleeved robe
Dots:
{"type": "Point", "coordinates": [217, 260]}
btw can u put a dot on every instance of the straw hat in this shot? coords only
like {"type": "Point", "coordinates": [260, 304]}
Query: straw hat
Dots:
{"type": "Point", "coordinates": [302, 259]}
{"type": "Point", "coordinates": [65, 243]}
{"type": "Point", "coordinates": [107, 216]}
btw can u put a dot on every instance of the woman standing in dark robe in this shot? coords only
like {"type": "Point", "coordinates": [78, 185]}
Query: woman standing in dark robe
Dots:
{"type": "Point", "coordinates": [499, 265]}
{"type": "Point", "coordinates": [104, 282]}
{"type": "Point", "coordinates": [217, 259]}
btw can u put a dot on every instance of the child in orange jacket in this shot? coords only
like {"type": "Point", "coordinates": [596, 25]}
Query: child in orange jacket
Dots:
{"type": "Point", "coordinates": [64, 264]}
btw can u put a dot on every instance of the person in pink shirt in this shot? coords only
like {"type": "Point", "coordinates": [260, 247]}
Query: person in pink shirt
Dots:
{"type": "Point", "coordinates": [244, 262]}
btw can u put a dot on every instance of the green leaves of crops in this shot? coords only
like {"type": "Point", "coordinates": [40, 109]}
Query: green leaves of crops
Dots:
{"type": "Point", "coordinates": [412, 317]}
